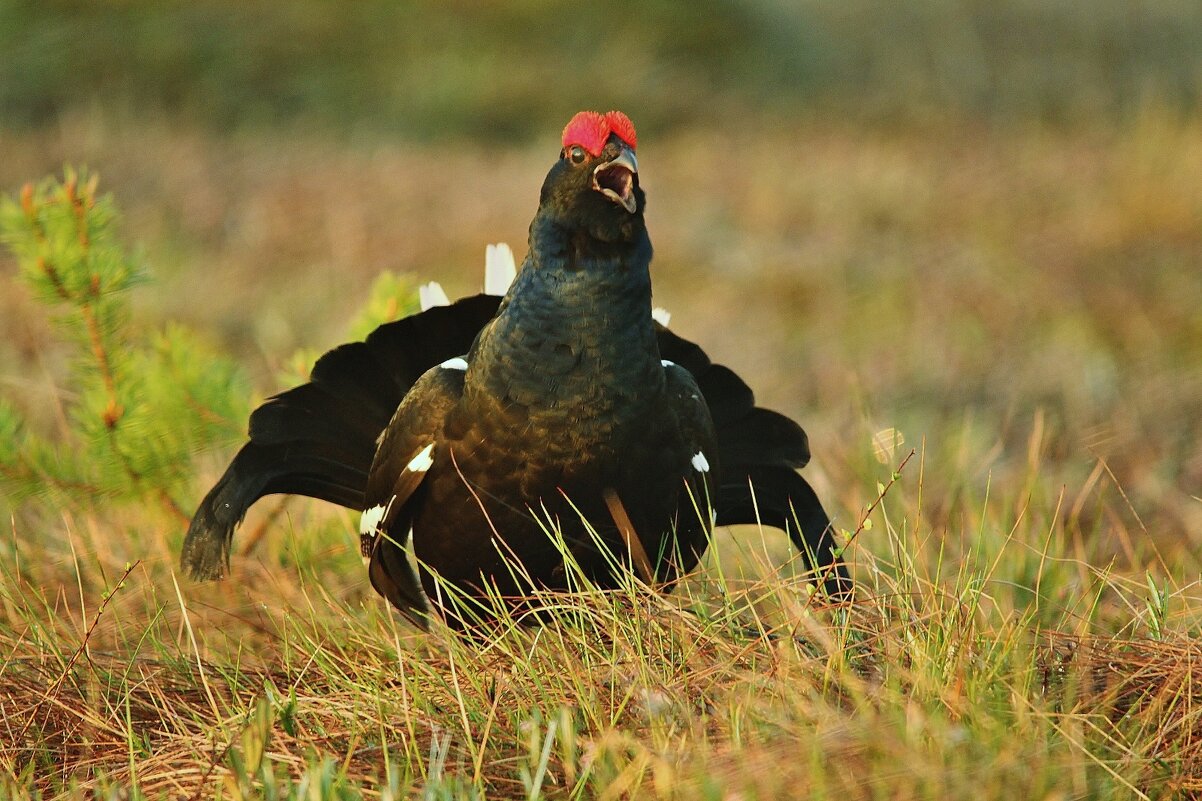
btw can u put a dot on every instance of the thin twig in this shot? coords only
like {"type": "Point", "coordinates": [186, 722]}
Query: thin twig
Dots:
{"type": "Point", "coordinates": [54, 688]}
{"type": "Point", "coordinates": [826, 574]}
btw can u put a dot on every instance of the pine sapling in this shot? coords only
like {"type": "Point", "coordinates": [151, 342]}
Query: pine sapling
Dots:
{"type": "Point", "coordinates": [140, 402]}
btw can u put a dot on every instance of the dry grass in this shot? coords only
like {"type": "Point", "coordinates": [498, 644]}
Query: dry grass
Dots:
{"type": "Point", "coordinates": [739, 687]}
{"type": "Point", "coordinates": [1021, 305]}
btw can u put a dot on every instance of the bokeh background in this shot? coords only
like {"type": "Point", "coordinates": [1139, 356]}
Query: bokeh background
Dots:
{"type": "Point", "coordinates": [975, 226]}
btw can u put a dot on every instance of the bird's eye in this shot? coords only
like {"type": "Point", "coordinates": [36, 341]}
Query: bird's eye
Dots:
{"type": "Point", "coordinates": [576, 153]}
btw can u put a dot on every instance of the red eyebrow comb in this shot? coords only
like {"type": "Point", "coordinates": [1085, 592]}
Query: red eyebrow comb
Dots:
{"type": "Point", "coordinates": [590, 130]}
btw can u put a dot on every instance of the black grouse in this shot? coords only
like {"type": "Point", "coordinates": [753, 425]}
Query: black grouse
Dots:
{"type": "Point", "coordinates": [474, 433]}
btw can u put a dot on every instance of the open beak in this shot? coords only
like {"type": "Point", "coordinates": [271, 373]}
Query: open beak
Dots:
{"type": "Point", "coordinates": [615, 179]}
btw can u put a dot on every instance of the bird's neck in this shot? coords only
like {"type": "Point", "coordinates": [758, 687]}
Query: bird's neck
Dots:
{"type": "Point", "coordinates": [576, 325]}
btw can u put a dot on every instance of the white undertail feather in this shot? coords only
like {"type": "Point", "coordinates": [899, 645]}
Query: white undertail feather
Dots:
{"type": "Point", "coordinates": [369, 525]}
{"type": "Point", "coordinates": [661, 316]}
{"type": "Point", "coordinates": [431, 295]}
{"type": "Point", "coordinates": [421, 463]}
{"type": "Point", "coordinates": [499, 269]}
{"type": "Point", "coordinates": [457, 363]}
{"type": "Point", "coordinates": [371, 519]}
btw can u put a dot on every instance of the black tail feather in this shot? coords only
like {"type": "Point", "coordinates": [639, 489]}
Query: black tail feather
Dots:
{"type": "Point", "coordinates": [779, 497]}
{"type": "Point", "coordinates": [763, 437]}
{"type": "Point", "coordinates": [727, 396]}
{"type": "Point", "coordinates": [256, 471]}
{"type": "Point", "coordinates": [354, 389]}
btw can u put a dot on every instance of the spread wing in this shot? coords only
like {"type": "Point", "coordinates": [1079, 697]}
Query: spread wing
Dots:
{"type": "Point", "coordinates": [319, 439]}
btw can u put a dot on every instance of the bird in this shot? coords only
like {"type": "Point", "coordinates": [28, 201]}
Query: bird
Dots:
{"type": "Point", "coordinates": [486, 440]}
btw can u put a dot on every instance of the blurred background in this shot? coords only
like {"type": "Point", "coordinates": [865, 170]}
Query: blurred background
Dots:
{"type": "Point", "coordinates": [973, 226]}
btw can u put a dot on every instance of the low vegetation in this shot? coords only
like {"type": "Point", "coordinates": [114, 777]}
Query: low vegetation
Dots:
{"type": "Point", "coordinates": [293, 681]}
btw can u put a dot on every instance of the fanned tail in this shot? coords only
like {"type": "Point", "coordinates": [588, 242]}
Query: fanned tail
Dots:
{"type": "Point", "coordinates": [319, 439]}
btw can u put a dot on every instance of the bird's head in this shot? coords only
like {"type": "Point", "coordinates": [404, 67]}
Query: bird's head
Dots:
{"type": "Point", "coordinates": [594, 187]}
